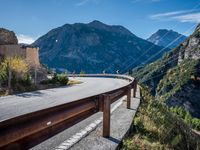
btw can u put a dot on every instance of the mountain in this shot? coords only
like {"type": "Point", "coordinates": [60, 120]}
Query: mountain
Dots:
{"type": "Point", "coordinates": [93, 47]}
{"type": "Point", "coordinates": [175, 78]}
{"type": "Point", "coordinates": [164, 37]}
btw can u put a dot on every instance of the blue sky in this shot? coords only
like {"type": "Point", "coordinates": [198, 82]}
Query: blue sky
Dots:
{"type": "Point", "coordinates": [30, 19]}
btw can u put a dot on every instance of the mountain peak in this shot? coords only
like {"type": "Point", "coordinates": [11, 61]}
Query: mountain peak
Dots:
{"type": "Point", "coordinates": [96, 22]}
{"type": "Point", "coordinates": [163, 37]}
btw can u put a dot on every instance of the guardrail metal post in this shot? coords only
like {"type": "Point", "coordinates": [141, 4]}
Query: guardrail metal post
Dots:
{"type": "Point", "coordinates": [106, 116]}
{"type": "Point", "coordinates": [129, 97]}
{"type": "Point", "coordinates": [134, 88]}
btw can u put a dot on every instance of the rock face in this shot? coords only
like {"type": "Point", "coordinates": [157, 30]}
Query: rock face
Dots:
{"type": "Point", "coordinates": [164, 37]}
{"type": "Point", "coordinates": [93, 48]}
{"type": "Point", "coordinates": [175, 79]}
{"type": "Point", "coordinates": [7, 37]}
{"type": "Point", "coordinates": [191, 47]}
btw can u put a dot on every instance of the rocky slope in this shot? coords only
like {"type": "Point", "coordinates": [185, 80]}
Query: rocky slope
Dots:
{"type": "Point", "coordinates": [175, 79]}
{"type": "Point", "coordinates": [92, 47]}
{"type": "Point", "coordinates": [164, 37]}
{"type": "Point", "coordinates": [7, 37]}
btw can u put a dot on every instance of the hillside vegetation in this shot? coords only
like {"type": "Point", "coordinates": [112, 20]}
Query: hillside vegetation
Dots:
{"type": "Point", "coordinates": [157, 128]}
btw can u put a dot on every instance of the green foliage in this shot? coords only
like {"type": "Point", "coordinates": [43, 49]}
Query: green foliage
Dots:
{"type": "Point", "coordinates": [3, 73]}
{"type": "Point", "coordinates": [180, 111]}
{"type": "Point", "coordinates": [176, 140]}
{"type": "Point", "coordinates": [156, 128]}
{"type": "Point", "coordinates": [176, 78]}
{"type": "Point", "coordinates": [196, 123]}
{"type": "Point", "coordinates": [57, 79]}
{"type": "Point", "coordinates": [152, 73]}
{"type": "Point", "coordinates": [186, 116]}
{"type": "Point", "coordinates": [20, 77]}
{"type": "Point", "coordinates": [26, 81]}
{"type": "Point", "coordinates": [62, 79]}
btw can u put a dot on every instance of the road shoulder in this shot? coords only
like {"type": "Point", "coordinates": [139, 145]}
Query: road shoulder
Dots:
{"type": "Point", "coordinates": [121, 121]}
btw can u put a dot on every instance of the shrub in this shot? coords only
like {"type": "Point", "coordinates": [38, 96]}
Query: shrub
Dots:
{"type": "Point", "coordinates": [186, 117]}
{"type": "Point", "coordinates": [196, 123]}
{"type": "Point", "coordinates": [26, 81]}
{"type": "Point", "coordinates": [62, 79]}
{"type": "Point", "coordinates": [57, 79]}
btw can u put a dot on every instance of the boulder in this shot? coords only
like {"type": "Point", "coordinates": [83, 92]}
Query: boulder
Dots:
{"type": "Point", "coordinates": [7, 37]}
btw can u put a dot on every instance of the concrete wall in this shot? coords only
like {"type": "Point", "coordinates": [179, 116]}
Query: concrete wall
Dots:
{"type": "Point", "coordinates": [12, 50]}
{"type": "Point", "coordinates": [32, 57]}
{"type": "Point", "coordinates": [29, 54]}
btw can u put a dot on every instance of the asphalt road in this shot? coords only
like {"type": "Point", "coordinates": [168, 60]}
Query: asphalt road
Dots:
{"type": "Point", "coordinates": [16, 105]}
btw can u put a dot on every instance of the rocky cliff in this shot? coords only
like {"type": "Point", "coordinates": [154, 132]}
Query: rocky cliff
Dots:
{"type": "Point", "coordinates": [93, 47]}
{"type": "Point", "coordinates": [175, 79]}
{"type": "Point", "coordinates": [7, 37]}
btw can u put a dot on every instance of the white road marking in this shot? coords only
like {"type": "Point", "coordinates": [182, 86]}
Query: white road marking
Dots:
{"type": "Point", "coordinates": [82, 133]}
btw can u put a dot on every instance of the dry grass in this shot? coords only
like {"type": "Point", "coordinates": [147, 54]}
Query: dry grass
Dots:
{"type": "Point", "coordinates": [73, 82]}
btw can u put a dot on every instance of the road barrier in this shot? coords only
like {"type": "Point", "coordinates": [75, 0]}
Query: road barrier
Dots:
{"type": "Point", "coordinates": [30, 129]}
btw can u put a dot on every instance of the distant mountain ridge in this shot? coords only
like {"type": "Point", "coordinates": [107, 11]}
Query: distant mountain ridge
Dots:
{"type": "Point", "coordinates": [93, 48]}
{"type": "Point", "coordinates": [164, 37]}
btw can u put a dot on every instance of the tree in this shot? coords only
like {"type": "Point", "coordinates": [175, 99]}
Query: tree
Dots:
{"type": "Point", "coordinates": [15, 65]}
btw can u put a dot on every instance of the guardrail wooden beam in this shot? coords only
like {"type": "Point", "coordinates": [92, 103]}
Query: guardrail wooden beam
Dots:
{"type": "Point", "coordinates": [106, 115]}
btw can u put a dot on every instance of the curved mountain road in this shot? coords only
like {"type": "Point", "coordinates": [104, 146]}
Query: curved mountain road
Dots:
{"type": "Point", "coordinates": [16, 105]}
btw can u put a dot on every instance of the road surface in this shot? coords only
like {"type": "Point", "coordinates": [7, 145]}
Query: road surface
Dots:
{"type": "Point", "coordinates": [16, 105]}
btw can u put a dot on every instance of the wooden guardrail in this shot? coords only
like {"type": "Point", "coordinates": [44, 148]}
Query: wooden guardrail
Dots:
{"type": "Point", "coordinates": [28, 130]}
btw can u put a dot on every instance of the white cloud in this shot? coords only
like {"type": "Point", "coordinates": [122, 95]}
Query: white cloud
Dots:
{"type": "Point", "coordinates": [168, 14]}
{"type": "Point", "coordinates": [181, 15]}
{"type": "Point", "coordinates": [193, 17]}
{"type": "Point", "coordinates": [25, 39]}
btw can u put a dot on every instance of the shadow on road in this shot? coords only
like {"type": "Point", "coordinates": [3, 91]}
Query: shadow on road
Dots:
{"type": "Point", "coordinates": [30, 94]}
{"type": "Point", "coordinates": [40, 93]}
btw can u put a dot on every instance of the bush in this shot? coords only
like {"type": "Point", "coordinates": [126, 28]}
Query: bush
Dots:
{"type": "Point", "coordinates": [186, 117]}
{"type": "Point", "coordinates": [196, 123]}
{"type": "Point", "coordinates": [26, 81]}
{"type": "Point", "coordinates": [57, 79]}
{"type": "Point", "coordinates": [62, 79]}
